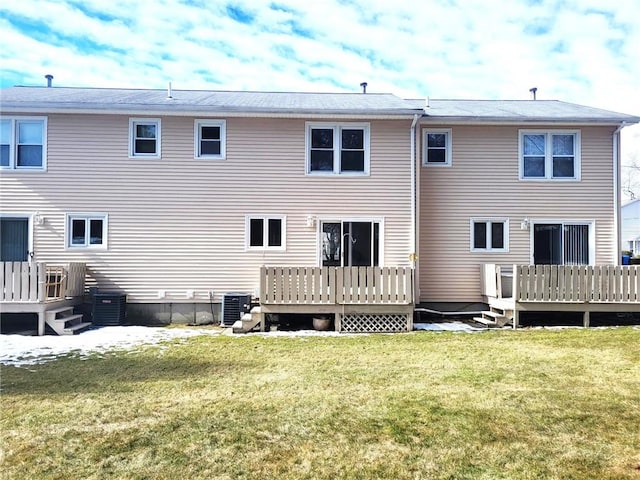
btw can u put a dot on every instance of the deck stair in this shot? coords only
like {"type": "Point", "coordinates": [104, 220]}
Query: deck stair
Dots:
{"type": "Point", "coordinates": [250, 321]}
{"type": "Point", "coordinates": [64, 322]}
{"type": "Point", "coordinates": [497, 316]}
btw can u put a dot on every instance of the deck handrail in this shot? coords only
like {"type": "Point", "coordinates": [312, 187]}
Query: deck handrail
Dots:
{"type": "Point", "coordinates": [40, 282]}
{"type": "Point", "coordinates": [336, 285]}
{"type": "Point", "coordinates": [566, 283]}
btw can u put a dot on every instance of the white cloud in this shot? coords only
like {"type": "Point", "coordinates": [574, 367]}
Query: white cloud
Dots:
{"type": "Point", "coordinates": [581, 51]}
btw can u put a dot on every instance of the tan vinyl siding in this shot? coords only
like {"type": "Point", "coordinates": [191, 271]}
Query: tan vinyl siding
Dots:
{"type": "Point", "coordinates": [483, 182]}
{"type": "Point", "coordinates": [178, 223]}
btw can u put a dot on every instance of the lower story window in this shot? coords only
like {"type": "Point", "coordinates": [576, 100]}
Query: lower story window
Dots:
{"type": "Point", "coordinates": [86, 231]}
{"type": "Point", "coordinates": [562, 243]}
{"type": "Point", "coordinates": [489, 235]}
{"type": "Point", "coordinates": [265, 232]}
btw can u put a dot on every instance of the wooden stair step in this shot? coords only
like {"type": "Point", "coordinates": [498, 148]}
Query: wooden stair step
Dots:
{"type": "Point", "coordinates": [492, 314]}
{"type": "Point", "coordinates": [484, 321]}
{"type": "Point", "coordinates": [53, 314]}
{"type": "Point", "coordinates": [64, 320]}
{"type": "Point", "coordinates": [77, 328]}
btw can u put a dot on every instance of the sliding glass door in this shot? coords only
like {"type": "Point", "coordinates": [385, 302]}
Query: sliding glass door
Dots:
{"type": "Point", "coordinates": [350, 244]}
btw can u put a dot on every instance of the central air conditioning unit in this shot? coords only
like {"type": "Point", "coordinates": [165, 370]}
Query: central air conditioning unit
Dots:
{"type": "Point", "coordinates": [234, 305]}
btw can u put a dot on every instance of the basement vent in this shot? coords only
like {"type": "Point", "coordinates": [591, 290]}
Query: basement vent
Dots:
{"type": "Point", "coordinates": [234, 305]}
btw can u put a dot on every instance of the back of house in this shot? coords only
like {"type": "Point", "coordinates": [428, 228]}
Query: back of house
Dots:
{"type": "Point", "coordinates": [177, 198]}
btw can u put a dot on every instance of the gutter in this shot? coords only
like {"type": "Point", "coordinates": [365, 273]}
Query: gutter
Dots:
{"type": "Point", "coordinates": [616, 193]}
{"type": "Point", "coordinates": [414, 230]}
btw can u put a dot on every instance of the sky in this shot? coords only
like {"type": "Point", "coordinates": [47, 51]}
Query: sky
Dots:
{"type": "Point", "coordinates": [579, 51]}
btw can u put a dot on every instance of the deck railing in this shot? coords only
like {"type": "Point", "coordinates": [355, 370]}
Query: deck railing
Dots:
{"type": "Point", "coordinates": [40, 282]}
{"type": "Point", "coordinates": [336, 285]}
{"type": "Point", "coordinates": [566, 283]}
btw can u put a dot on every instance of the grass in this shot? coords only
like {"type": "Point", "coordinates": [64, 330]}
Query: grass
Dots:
{"type": "Point", "coordinates": [498, 405]}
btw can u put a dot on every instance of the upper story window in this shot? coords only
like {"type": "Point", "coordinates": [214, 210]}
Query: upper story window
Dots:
{"type": "Point", "coordinates": [549, 155]}
{"type": "Point", "coordinates": [210, 139]}
{"type": "Point", "coordinates": [436, 147]}
{"type": "Point", "coordinates": [265, 232]}
{"type": "Point", "coordinates": [338, 149]}
{"type": "Point", "coordinates": [144, 134]}
{"type": "Point", "coordinates": [489, 235]}
{"type": "Point", "coordinates": [86, 231]}
{"type": "Point", "coordinates": [23, 143]}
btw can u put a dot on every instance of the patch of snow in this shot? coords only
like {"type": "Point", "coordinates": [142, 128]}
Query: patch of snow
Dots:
{"type": "Point", "coordinates": [447, 327]}
{"type": "Point", "coordinates": [20, 350]}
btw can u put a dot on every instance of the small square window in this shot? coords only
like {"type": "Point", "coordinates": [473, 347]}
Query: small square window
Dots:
{"type": "Point", "coordinates": [144, 137]}
{"type": "Point", "coordinates": [436, 147]}
{"type": "Point", "coordinates": [265, 233]}
{"type": "Point", "coordinates": [210, 139]}
{"type": "Point", "coordinates": [86, 231]}
{"type": "Point", "coordinates": [489, 235]}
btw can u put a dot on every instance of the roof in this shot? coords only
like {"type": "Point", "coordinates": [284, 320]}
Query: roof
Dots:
{"type": "Point", "coordinates": [109, 100]}
{"type": "Point", "coordinates": [184, 102]}
{"type": "Point", "coordinates": [522, 111]}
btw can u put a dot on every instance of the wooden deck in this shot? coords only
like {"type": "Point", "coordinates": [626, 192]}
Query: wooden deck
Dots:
{"type": "Point", "coordinates": [30, 287]}
{"type": "Point", "coordinates": [360, 298]}
{"type": "Point", "coordinates": [562, 288]}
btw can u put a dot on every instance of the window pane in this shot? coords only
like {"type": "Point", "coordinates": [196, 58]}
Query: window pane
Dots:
{"type": "Point", "coordinates": [5, 132]}
{"type": "Point", "coordinates": [321, 138]}
{"type": "Point", "coordinates": [4, 155]}
{"type": "Point", "coordinates": [563, 167]}
{"type": "Point", "coordinates": [275, 232]}
{"type": "Point", "coordinates": [353, 139]}
{"type": "Point", "coordinates": [534, 166]}
{"type": "Point", "coordinates": [30, 132]}
{"type": "Point", "coordinates": [437, 140]}
{"type": "Point", "coordinates": [497, 235]}
{"type": "Point", "coordinates": [145, 131]}
{"type": "Point", "coordinates": [29, 156]}
{"type": "Point", "coordinates": [331, 244]}
{"type": "Point", "coordinates": [78, 231]}
{"type": "Point", "coordinates": [145, 146]}
{"type": "Point", "coordinates": [534, 145]}
{"type": "Point", "coordinates": [547, 244]}
{"type": "Point", "coordinates": [563, 144]}
{"type": "Point", "coordinates": [436, 155]}
{"type": "Point", "coordinates": [256, 232]}
{"type": "Point", "coordinates": [479, 235]}
{"type": "Point", "coordinates": [210, 147]}
{"type": "Point", "coordinates": [95, 229]}
{"type": "Point", "coordinates": [576, 244]}
{"type": "Point", "coordinates": [210, 133]}
{"type": "Point", "coordinates": [321, 160]}
{"type": "Point", "coordinates": [352, 161]}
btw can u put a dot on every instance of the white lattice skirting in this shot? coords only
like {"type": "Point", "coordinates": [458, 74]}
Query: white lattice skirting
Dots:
{"type": "Point", "coordinates": [374, 323]}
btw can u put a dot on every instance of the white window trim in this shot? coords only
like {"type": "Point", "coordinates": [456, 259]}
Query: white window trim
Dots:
{"type": "Point", "coordinates": [86, 216]}
{"type": "Point", "coordinates": [202, 122]}
{"type": "Point", "coordinates": [378, 220]}
{"type": "Point", "coordinates": [13, 151]}
{"type": "Point", "coordinates": [448, 147]}
{"type": "Point", "coordinates": [502, 220]}
{"type": "Point", "coordinates": [265, 234]}
{"type": "Point", "coordinates": [337, 146]}
{"type": "Point", "coordinates": [592, 234]}
{"type": "Point", "coordinates": [548, 163]}
{"type": "Point", "coordinates": [132, 137]}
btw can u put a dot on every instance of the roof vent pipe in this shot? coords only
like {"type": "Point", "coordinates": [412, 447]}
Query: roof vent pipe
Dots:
{"type": "Point", "coordinates": [169, 95]}
{"type": "Point", "coordinates": [533, 92]}
{"type": "Point", "coordinates": [49, 77]}
{"type": "Point", "coordinates": [364, 87]}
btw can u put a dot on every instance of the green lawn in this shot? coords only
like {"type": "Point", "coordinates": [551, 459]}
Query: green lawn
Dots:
{"type": "Point", "coordinates": [529, 404]}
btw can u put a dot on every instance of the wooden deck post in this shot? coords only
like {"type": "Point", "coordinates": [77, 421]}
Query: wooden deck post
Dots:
{"type": "Point", "coordinates": [41, 323]}
{"type": "Point", "coordinates": [586, 319]}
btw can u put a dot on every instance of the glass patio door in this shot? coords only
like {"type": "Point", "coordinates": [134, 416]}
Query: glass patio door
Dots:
{"type": "Point", "coordinates": [560, 244]}
{"type": "Point", "coordinates": [350, 244]}
{"type": "Point", "coordinates": [14, 239]}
